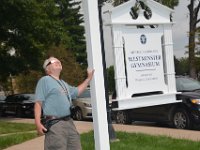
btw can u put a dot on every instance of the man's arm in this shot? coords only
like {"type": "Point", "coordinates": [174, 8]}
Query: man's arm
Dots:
{"type": "Point", "coordinates": [37, 112]}
{"type": "Point", "coordinates": [86, 82]}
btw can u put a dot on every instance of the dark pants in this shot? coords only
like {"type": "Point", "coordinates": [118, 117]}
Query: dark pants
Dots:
{"type": "Point", "coordinates": [62, 136]}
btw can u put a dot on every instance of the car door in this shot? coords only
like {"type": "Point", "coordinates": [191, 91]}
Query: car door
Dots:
{"type": "Point", "coordinates": [10, 105]}
{"type": "Point", "coordinates": [152, 113]}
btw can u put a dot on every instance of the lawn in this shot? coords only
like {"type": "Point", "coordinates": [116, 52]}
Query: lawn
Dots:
{"type": "Point", "coordinates": [15, 133]}
{"type": "Point", "coordinates": [9, 127]}
{"type": "Point", "coordinates": [136, 141]}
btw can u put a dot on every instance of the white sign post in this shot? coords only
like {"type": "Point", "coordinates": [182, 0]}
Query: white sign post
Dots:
{"type": "Point", "coordinates": [91, 18]}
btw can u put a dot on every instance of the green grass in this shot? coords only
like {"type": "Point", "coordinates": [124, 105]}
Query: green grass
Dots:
{"type": "Point", "coordinates": [9, 140]}
{"type": "Point", "coordinates": [136, 141]}
{"type": "Point", "coordinates": [15, 133]}
{"type": "Point", "coordinates": [8, 127]}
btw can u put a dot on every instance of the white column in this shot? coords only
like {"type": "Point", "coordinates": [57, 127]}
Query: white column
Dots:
{"type": "Point", "coordinates": [99, 114]}
{"type": "Point", "coordinates": [169, 55]}
{"type": "Point", "coordinates": [119, 65]}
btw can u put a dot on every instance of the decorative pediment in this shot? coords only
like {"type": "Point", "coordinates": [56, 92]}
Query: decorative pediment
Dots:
{"type": "Point", "coordinates": [140, 12]}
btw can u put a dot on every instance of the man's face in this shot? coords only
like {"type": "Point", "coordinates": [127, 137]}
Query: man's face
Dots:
{"type": "Point", "coordinates": [54, 65]}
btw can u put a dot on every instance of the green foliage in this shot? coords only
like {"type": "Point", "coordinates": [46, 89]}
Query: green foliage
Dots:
{"type": "Point", "coordinates": [137, 141]}
{"type": "Point", "coordinates": [73, 20]}
{"type": "Point", "coordinates": [9, 127]}
{"type": "Point", "coordinates": [15, 133]}
{"type": "Point", "coordinates": [72, 71]}
{"type": "Point", "coordinates": [169, 3]}
{"type": "Point", "coordinates": [29, 27]}
{"type": "Point", "coordinates": [181, 66]}
{"type": "Point", "coordinates": [26, 82]}
{"type": "Point", "coordinates": [9, 140]}
{"type": "Point", "coordinates": [111, 78]}
{"type": "Point", "coordinates": [128, 141]}
{"type": "Point", "coordinates": [197, 66]}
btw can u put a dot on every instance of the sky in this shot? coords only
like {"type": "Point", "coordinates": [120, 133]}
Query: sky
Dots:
{"type": "Point", "coordinates": [180, 28]}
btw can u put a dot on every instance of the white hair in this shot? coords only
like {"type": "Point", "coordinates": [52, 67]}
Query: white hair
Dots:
{"type": "Point", "coordinates": [46, 62]}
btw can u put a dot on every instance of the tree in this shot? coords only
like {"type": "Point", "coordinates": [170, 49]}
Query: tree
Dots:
{"type": "Point", "coordinates": [72, 71]}
{"type": "Point", "coordinates": [29, 27]}
{"type": "Point", "coordinates": [111, 78]}
{"type": "Point", "coordinates": [26, 82]}
{"type": "Point", "coordinates": [181, 66]}
{"type": "Point", "coordinates": [193, 13]}
{"type": "Point", "coordinates": [73, 21]}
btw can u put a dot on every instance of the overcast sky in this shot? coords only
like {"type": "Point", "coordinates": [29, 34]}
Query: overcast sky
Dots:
{"type": "Point", "coordinates": [180, 28]}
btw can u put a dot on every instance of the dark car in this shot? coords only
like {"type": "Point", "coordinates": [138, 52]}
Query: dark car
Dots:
{"type": "Point", "coordinates": [184, 115]}
{"type": "Point", "coordinates": [2, 98]}
{"type": "Point", "coordinates": [19, 105]}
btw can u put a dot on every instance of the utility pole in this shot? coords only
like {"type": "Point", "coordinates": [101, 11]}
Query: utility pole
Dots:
{"type": "Point", "coordinates": [111, 131]}
{"type": "Point", "coordinates": [94, 54]}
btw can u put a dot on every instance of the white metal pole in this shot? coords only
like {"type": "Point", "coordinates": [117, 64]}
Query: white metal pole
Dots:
{"type": "Point", "coordinates": [90, 8]}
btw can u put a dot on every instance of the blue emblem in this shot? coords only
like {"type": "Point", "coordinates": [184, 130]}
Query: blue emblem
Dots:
{"type": "Point", "coordinates": [143, 39]}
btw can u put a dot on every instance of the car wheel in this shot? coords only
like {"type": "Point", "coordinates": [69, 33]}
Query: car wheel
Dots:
{"type": "Point", "coordinates": [122, 117]}
{"type": "Point", "coordinates": [78, 115]}
{"type": "Point", "coordinates": [181, 119]}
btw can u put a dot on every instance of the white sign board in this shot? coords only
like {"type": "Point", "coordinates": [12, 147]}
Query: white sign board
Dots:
{"type": "Point", "coordinates": [144, 62]}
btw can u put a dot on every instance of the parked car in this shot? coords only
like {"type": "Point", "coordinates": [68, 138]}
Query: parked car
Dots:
{"type": "Point", "coordinates": [2, 101]}
{"type": "Point", "coordinates": [19, 105]}
{"type": "Point", "coordinates": [83, 107]}
{"type": "Point", "coordinates": [182, 115]}
{"type": "Point", "coordinates": [2, 98]}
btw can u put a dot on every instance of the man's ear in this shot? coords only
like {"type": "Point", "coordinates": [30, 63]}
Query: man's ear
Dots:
{"type": "Point", "coordinates": [47, 70]}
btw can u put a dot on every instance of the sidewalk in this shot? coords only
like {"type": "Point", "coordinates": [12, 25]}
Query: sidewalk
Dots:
{"type": "Point", "coordinates": [37, 143]}
{"type": "Point", "coordinates": [82, 127]}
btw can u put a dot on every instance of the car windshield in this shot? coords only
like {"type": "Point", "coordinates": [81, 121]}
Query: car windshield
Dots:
{"type": "Point", "coordinates": [187, 84]}
{"type": "Point", "coordinates": [85, 94]}
{"type": "Point", "coordinates": [2, 97]}
{"type": "Point", "coordinates": [28, 96]}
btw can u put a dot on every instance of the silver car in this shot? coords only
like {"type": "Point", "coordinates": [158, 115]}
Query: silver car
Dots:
{"type": "Point", "coordinates": [83, 107]}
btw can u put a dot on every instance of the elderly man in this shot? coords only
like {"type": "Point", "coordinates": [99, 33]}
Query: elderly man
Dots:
{"type": "Point", "coordinates": [53, 97]}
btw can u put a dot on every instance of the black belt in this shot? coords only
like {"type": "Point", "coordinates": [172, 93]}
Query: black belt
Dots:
{"type": "Point", "coordinates": [65, 118]}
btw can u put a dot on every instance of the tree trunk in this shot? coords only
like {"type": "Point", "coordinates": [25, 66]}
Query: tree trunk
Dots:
{"type": "Point", "coordinates": [192, 52]}
{"type": "Point", "coordinates": [193, 12]}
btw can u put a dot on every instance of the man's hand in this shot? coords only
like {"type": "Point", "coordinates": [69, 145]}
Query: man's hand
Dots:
{"type": "Point", "coordinates": [86, 82]}
{"type": "Point", "coordinates": [41, 129]}
{"type": "Point", "coordinates": [90, 73]}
